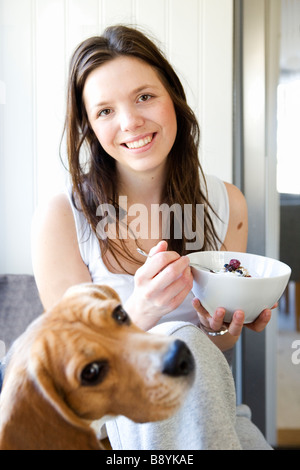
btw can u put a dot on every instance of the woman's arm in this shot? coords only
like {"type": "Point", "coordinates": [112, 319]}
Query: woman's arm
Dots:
{"type": "Point", "coordinates": [161, 284]}
{"type": "Point", "coordinates": [57, 262]}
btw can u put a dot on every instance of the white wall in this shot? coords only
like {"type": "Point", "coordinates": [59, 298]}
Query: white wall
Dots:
{"type": "Point", "coordinates": [37, 38]}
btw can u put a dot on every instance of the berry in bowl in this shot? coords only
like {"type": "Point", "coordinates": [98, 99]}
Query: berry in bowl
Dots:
{"type": "Point", "coordinates": [237, 281]}
{"type": "Point", "coordinates": [234, 267]}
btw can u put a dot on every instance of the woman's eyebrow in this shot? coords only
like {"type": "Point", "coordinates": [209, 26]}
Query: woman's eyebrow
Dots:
{"type": "Point", "coordinates": [134, 92]}
{"type": "Point", "coordinates": [100, 105]}
{"type": "Point", "coordinates": [143, 87]}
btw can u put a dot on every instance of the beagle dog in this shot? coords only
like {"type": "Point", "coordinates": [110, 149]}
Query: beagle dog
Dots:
{"type": "Point", "coordinates": [80, 361]}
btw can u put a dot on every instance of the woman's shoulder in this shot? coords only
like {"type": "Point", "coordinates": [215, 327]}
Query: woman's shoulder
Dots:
{"type": "Point", "coordinates": [53, 228]}
{"type": "Point", "coordinates": [231, 207]}
{"type": "Point", "coordinates": [237, 200]}
{"type": "Point", "coordinates": [54, 211]}
{"type": "Point", "coordinates": [217, 196]}
{"type": "Point", "coordinates": [234, 193]}
{"type": "Point", "coordinates": [237, 232]}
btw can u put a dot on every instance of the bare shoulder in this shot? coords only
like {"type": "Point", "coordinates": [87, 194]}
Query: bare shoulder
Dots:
{"type": "Point", "coordinates": [57, 262]}
{"type": "Point", "coordinates": [53, 222]}
{"type": "Point", "coordinates": [237, 233]}
{"type": "Point", "coordinates": [237, 200]}
{"type": "Point", "coordinates": [55, 210]}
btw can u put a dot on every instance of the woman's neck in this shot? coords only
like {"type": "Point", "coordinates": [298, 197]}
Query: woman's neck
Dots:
{"type": "Point", "coordinates": [145, 188]}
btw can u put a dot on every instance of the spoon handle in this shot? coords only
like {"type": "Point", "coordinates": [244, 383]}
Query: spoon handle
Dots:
{"type": "Point", "coordinates": [142, 252]}
{"type": "Point", "coordinates": [195, 265]}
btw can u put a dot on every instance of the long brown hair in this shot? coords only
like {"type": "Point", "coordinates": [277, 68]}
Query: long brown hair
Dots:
{"type": "Point", "coordinates": [92, 180]}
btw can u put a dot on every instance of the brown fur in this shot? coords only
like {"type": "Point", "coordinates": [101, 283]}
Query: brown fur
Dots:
{"type": "Point", "coordinates": [43, 404]}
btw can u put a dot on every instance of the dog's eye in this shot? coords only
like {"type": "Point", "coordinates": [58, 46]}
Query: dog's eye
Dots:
{"type": "Point", "coordinates": [94, 373]}
{"type": "Point", "coordinates": [120, 315]}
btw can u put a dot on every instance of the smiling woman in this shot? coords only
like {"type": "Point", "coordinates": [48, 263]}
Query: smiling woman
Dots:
{"type": "Point", "coordinates": [138, 135]}
{"type": "Point", "coordinates": [127, 105]}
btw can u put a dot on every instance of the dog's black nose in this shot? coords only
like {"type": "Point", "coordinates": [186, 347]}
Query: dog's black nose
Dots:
{"type": "Point", "coordinates": [178, 360]}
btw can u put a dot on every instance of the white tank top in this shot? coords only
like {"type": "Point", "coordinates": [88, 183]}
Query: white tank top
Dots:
{"type": "Point", "coordinates": [123, 283]}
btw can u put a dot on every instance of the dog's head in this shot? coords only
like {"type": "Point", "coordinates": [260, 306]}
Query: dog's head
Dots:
{"type": "Point", "coordinates": [87, 359]}
{"type": "Point", "coordinates": [103, 364]}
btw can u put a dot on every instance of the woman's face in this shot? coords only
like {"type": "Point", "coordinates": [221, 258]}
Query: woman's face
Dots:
{"type": "Point", "coordinates": [131, 113]}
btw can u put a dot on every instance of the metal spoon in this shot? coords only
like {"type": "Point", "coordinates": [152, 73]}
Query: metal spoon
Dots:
{"type": "Point", "coordinates": [142, 252]}
{"type": "Point", "coordinates": [195, 265]}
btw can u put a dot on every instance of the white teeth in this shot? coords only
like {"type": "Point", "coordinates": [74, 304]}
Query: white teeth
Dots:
{"type": "Point", "coordinates": [139, 143]}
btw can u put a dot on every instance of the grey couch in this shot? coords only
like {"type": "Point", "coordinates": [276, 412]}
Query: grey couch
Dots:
{"type": "Point", "coordinates": [19, 305]}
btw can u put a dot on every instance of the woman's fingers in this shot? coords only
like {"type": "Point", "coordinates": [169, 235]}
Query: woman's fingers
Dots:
{"type": "Point", "coordinates": [175, 292]}
{"type": "Point", "coordinates": [203, 314]}
{"type": "Point", "coordinates": [261, 322]}
{"type": "Point", "coordinates": [237, 323]}
{"type": "Point", "coordinates": [161, 246]}
{"type": "Point", "coordinates": [159, 258]}
{"type": "Point", "coordinates": [164, 280]}
{"type": "Point", "coordinates": [216, 321]}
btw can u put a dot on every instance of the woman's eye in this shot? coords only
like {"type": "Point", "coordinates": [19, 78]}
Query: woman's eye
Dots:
{"type": "Point", "coordinates": [145, 97]}
{"type": "Point", "coordinates": [104, 112]}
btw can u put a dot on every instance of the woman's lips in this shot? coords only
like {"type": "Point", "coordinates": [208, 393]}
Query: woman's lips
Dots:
{"type": "Point", "coordinates": [139, 142]}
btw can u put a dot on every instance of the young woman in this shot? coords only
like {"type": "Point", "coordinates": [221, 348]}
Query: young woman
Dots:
{"type": "Point", "coordinates": [127, 115]}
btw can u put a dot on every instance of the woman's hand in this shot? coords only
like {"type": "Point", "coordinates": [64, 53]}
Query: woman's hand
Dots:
{"type": "Point", "coordinates": [216, 322]}
{"type": "Point", "coordinates": [161, 285]}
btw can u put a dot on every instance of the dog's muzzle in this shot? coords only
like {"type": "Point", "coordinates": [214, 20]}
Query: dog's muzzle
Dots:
{"type": "Point", "coordinates": [178, 360]}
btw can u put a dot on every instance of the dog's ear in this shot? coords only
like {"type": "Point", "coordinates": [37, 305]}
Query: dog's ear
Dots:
{"type": "Point", "coordinates": [108, 292]}
{"type": "Point", "coordinates": [39, 418]}
{"type": "Point", "coordinates": [101, 292]}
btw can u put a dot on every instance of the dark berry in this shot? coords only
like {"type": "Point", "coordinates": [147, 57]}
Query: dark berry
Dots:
{"type": "Point", "coordinates": [234, 263]}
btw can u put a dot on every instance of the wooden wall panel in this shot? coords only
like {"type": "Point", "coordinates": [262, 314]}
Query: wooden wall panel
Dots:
{"type": "Point", "coordinates": [37, 38]}
{"type": "Point", "coordinates": [184, 45]}
{"type": "Point", "coordinates": [16, 135]}
{"type": "Point", "coordinates": [50, 76]}
{"type": "Point", "coordinates": [117, 11]}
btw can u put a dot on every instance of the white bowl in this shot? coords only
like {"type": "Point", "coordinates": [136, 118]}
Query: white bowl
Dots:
{"type": "Point", "coordinates": [263, 289]}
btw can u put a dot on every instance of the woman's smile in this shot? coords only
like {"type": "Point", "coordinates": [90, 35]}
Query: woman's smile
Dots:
{"type": "Point", "coordinates": [140, 142]}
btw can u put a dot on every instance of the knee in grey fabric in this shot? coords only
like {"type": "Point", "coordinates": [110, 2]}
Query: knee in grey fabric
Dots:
{"type": "Point", "coordinates": [250, 436]}
{"type": "Point", "coordinates": [207, 418]}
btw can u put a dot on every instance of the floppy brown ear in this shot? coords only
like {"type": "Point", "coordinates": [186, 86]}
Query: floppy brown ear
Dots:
{"type": "Point", "coordinates": [39, 419]}
{"type": "Point", "coordinates": [107, 291]}
{"type": "Point", "coordinates": [99, 291]}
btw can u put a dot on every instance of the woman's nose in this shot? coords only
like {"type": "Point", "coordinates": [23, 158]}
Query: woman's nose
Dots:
{"type": "Point", "coordinates": [130, 120]}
